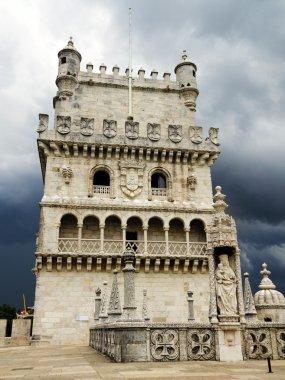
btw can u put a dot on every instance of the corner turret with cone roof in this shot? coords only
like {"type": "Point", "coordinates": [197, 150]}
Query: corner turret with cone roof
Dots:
{"type": "Point", "coordinates": [68, 68]}
{"type": "Point", "coordinates": [186, 76]}
{"type": "Point", "coordinates": [269, 303]}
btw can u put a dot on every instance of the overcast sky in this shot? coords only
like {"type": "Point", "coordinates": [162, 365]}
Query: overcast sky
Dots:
{"type": "Point", "coordinates": [239, 49]}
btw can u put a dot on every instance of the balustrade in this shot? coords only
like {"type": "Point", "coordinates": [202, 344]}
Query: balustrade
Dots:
{"type": "Point", "coordinates": [161, 192]}
{"type": "Point", "coordinates": [98, 189]}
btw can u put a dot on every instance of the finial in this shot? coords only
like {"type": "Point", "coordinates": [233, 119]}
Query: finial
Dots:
{"type": "Point", "coordinates": [266, 283]}
{"type": "Point", "coordinates": [246, 274]}
{"type": "Point", "coordinates": [219, 200]}
{"type": "Point", "coordinates": [184, 55]}
{"type": "Point", "coordinates": [70, 42]}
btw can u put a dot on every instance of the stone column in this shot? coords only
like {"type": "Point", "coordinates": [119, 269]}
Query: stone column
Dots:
{"type": "Point", "coordinates": [144, 306]}
{"type": "Point", "coordinates": [129, 285]}
{"type": "Point", "coordinates": [56, 235]}
{"type": "Point", "coordinates": [213, 313]}
{"type": "Point", "coordinates": [145, 228]}
{"type": "Point", "coordinates": [124, 230]}
{"type": "Point", "coordinates": [239, 287]}
{"type": "Point", "coordinates": [79, 226]}
{"type": "Point", "coordinates": [102, 229]}
{"type": "Point", "coordinates": [190, 306]}
{"type": "Point", "coordinates": [166, 229]}
{"type": "Point", "coordinates": [187, 231]}
{"type": "Point", "coordinates": [103, 315]}
{"type": "Point", "coordinates": [97, 304]}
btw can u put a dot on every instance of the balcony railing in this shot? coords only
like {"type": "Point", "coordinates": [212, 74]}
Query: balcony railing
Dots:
{"type": "Point", "coordinates": [161, 192]}
{"type": "Point", "coordinates": [116, 247]}
{"type": "Point", "coordinates": [98, 189]}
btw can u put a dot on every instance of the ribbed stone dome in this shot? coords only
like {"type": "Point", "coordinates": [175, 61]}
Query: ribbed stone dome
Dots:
{"type": "Point", "coordinates": [268, 295]}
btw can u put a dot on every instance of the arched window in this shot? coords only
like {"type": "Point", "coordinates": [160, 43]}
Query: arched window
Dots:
{"type": "Point", "coordinates": [197, 231]}
{"type": "Point", "coordinates": [101, 182]}
{"type": "Point", "coordinates": [158, 184]}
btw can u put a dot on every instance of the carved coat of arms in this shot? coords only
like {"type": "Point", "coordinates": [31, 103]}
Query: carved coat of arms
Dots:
{"type": "Point", "coordinates": [132, 129]}
{"type": "Point", "coordinates": [43, 122]}
{"type": "Point", "coordinates": [131, 177]}
{"type": "Point", "coordinates": [86, 126]}
{"type": "Point", "coordinates": [63, 124]}
{"type": "Point", "coordinates": [109, 128]}
{"type": "Point", "coordinates": [175, 133]}
{"type": "Point", "coordinates": [213, 135]}
{"type": "Point", "coordinates": [153, 131]}
{"type": "Point", "coordinates": [196, 135]}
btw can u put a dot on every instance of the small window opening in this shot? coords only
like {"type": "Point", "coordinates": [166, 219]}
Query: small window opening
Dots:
{"type": "Point", "coordinates": [188, 85]}
{"type": "Point", "coordinates": [158, 181]}
{"type": "Point", "coordinates": [182, 85]}
{"type": "Point", "coordinates": [194, 73]}
{"type": "Point", "coordinates": [267, 319]}
{"type": "Point", "coordinates": [101, 178]}
{"type": "Point", "coordinates": [63, 60]}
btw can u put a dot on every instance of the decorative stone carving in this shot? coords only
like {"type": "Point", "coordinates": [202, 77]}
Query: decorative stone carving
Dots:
{"type": "Point", "coordinates": [191, 182]}
{"type": "Point", "coordinates": [67, 173]}
{"type": "Point", "coordinates": [97, 304]}
{"type": "Point", "coordinates": [175, 133]}
{"type": "Point", "coordinates": [63, 124]}
{"type": "Point", "coordinates": [109, 128]}
{"type": "Point", "coordinates": [213, 135]}
{"type": "Point", "coordinates": [258, 344]}
{"type": "Point", "coordinates": [144, 306]}
{"type": "Point", "coordinates": [132, 129]}
{"type": "Point", "coordinates": [129, 285]}
{"type": "Point", "coordinates": [114, 304]}
{"type": "Point", "coordinates": [190, 306]}
{"type": "Point", "coordinates": [195, 134]}
{"type": "Point", "coordinates": [164, 345]}
{"type": "Point", "coordinates": [226, 287]}
{"type": "Point", "coordinates": [131, 177]}
{"type": "Point", "coordinates": [43, 122]}
{"type": "Point", "coordinates": [103, 311]}
{"type": "Point", "coordinates": [86, 126]}
{"type": "Point", "coordinates": [280, 337]}
{"type": "Point", "coordinates": [200, 345]}
{"type": "Point", "coordinates": [153, 131]}
{"type": "Point", "coordinates": [250, 311]}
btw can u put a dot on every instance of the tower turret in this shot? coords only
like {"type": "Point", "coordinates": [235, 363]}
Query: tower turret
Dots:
{"type": "Point", "coordinates": [186, 76]}
{"type": "Point", "coordinates": [68, 68]}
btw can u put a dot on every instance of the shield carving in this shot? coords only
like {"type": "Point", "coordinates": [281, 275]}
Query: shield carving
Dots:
{"type": "Point", "coordinates": [131, 177]}
{"type": "Point", "coordinates": [175, 133]}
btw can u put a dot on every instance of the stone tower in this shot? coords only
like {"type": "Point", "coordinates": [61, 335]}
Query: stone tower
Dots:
{"type": "Point", "coordinates": [115, 182]}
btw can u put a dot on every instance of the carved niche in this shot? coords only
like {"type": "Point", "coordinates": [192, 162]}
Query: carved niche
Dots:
{"type": "Point", "coordinates": [86, 126]}
{"type": "Point", "coordinates": [195, 134]}
{"type": "Point", "coordinates": [132, 129]}
{"type": "Point", "coordinates": [213, 135]}
{"type": "Point", "coordinates": [153, 131]}
{"type": "Point", "coordinates": [175, 133]}
{"type": "Point", "coordinates": [164, 345]}
{"type": "Point", "coordinates": [109, 128]}
{"type": "Point", "coordinates": [43, 122]}
{"type": "Point", "coordinates": [63, 124]}
{"type": "Point", "coordinates": [131, 177]}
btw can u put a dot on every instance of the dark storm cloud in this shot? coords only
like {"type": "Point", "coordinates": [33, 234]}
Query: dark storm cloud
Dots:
{"type": "Point", "coordinates": [238, 47]}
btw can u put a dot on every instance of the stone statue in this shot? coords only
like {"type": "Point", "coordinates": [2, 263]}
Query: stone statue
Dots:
{"type": "Point", "coordinates": [226, 287]}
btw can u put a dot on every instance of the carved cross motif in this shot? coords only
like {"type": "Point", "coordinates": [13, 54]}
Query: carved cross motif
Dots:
{"type": "Point", "coordinates": [63, 124]}
{"type": "Point", "coordinates": [132, 129]}
{"type": "Point", "coordinates": [109, 128]}
{"type": "Point", "coordinates": [164, 345]}
{"type": "Point", "coordinates": [86, 126]}
{"type": "Point", "coordinates": [280, 335]}
{"type": "Point", "coordinates": [196, 135]}
{"type": "Point", "coordinates": [175, 133]}
{"type": "Point", "coordinates": [201, 345]}
{"type": "Point", "coordinates": [258, 344]}
{"type": "Point", "coordinates": [153, 131]}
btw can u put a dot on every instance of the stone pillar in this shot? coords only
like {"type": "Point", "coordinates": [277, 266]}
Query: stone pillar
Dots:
{"type": "Point", "coordinates": [103, 316]}
{"type": "Point", "coordinates": [57, 226]}
{"type": "Point", "coordinates": [145, 228]}
{"type": "Point", "coordinates": [102, 229]}
{"type": "Point", "coordinates": [21, 332]}
{"type": "Point", "coordinates": [79, 226]}
{"type": "Point", "coordinates": [144, 306]}
{"type": "Point", "coordinates": [190, 306]}
{"type": "Point", "coordinates": [97, 304]}
{"type": "Point", "coordinates": [213, 313]}
{"type": "Point", "coordinates": [124, 230]}
{"type": "Point", "coordinates": [187, 231]}
{"type": "Point", "coordinates": [166, 229]}
{"type": "Point", "coordinates": [129, 285]}
{"type": "Point", "coordinates": [239, 287]}
{"type": "Point", "coordinates": [3, 326]}
{"type": "Point", "coordinates": [114, 310]}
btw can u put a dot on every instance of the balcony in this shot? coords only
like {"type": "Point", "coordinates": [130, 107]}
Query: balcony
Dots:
{"type": "Point", "coordinates": [160, 192]}
{"type": "Point", "coordinates": [100, 189]}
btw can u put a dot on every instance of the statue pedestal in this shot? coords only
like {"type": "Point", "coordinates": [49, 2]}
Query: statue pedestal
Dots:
{"type": "Point", "coordinates": [230, 338]}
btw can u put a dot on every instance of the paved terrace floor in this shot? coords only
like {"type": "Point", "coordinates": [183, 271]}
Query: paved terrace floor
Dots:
{"type": "Point", "coordinates": [76, 362]}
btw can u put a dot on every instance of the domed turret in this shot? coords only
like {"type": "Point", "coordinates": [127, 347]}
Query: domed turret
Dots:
{"type": "Point", "coordinates": [68, 69]}
{"type": "Point", "coordinates": [269, 303]}
{"type": "Point", "coordinates": [186, 76]}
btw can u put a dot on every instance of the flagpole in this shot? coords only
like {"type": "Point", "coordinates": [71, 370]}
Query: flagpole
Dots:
{"type": "Point", "coordinates": [130, 62]}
